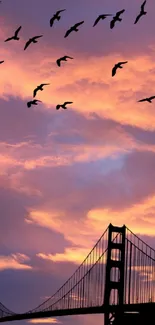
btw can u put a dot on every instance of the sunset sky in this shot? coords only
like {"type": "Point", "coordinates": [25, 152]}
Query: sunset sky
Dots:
{"type": "Point", "coordinates": [65, 175]}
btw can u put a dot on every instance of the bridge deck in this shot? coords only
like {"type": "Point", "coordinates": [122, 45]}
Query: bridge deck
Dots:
{"type": "Point", "coordinates": [144, 308]}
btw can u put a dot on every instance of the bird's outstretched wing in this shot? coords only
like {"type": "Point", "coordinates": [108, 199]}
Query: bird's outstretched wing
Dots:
{"type": "Point", "coordinates": [27, 44]}
{"type": "Point", "coordinates": [68, 57]}
{"type": "Point", "coordinates": [58, 12]}
{"type": "Point", "coordinates": [17, 31]}
{"type": "Point", "coordinates": [58, 62]}
{"type": "Point", "coordinates": [1, 62]}
{"type": "Point", "coordinates": [41, 85]}
{"type": "Point", "coordinates": [112, 23]}
{"type": "Point", "coordinates": [123, 62]}
{"type": "Point", "coordinates": [65, 103]}
{"type": "Point", "coordinates": [35, 92]}
{"type": "Point", "coordinates": [152, 97]}
{"type": "Point", "coordinates": [37, 37]}
{"type": "Point", "coordinates": [120, 12]}
{"type": "Point", "coordinates": [78, 24]}
{"type": "Point", "coordinates": [137, 18]}
{"type": "Point", "coordinates": [142, 6]}
{"type": "Point", "coordinates": [8, 39]}
{"type": "Point", "coordinates": [114, 70]}
{"type": "Point", "coordinates": [68, 32]}
{"type": "Point", "coordinates": [142, 100]}
{"type": "Point", "coordinates": [52, 21]}
{"type": "Point", "coordinates": [29, 104]}
{"type": "Point", "coordinates": [97, 20]}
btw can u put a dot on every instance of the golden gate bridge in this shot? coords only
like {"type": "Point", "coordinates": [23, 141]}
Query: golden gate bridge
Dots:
{"type": "Point", "coordinates": [115, 279]}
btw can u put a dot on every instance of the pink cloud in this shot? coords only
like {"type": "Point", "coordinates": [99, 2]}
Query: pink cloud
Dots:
{"type": "Point", "coordinates": [86, 82]}
{"type": "Point", "coordinates": [64, 176]}
{"type": "Point", "coordinates": [14, 261]}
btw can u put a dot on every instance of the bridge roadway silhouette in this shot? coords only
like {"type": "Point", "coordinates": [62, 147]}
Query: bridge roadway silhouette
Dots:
{"type": "Point", "coordinates": [115, 279]}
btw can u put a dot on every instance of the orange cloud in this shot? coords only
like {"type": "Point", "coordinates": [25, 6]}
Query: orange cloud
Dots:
{"type": "Point", "coordinates": [74, 255]}
{"type": "Point", "coordinates": [84, 233]}
{"type": "Point", "coordinates": [84, 84]}
{"type": "Point", "coordinates": [16, 155]}
{"type": "Point", "coordinates": [77, 232]}
{"type": "Point", "coordinates": [44, 320]}
{"type": "Point", "coordinates": [14, 261]}
{"type": "Point", "coordinates": [138, 217]}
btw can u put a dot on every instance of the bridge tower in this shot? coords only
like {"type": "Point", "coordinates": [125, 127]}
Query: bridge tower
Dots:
{"type": "Point", "coordinates": [117, 285]}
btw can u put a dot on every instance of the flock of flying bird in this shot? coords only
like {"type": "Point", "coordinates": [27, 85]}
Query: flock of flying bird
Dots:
{"type": "Point", "coordinates": [57, 17]}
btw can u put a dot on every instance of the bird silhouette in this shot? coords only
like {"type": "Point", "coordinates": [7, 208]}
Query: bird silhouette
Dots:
{"type": "Point", "coordinates": [15, 36]}
{"type": "Point", "coordinates": [73, 28]}
{"type": "Point", "coordinates": [101, 17]}
{"type": "Point", "coordinates": [64, 58]}
{"type": "Point", "coordinates": [32, 40]}
{"type": "Point", "coordinates": [40, 87]}
{"type": "Point", "coordinates": [56, 16]}
{"type": "Point", "coordinates": [142, 12]}
{"type": "Point", "coordinates": [147, 99]}
{"type": "Point", "coordinates": [63, 105]}
{"type": "Point", "coordinates": [1, 62]}
{"type": "Point", "coordinates": [116, 66]}
{"type": "Point", "coordinates": [116, 18]}
{"type": "Point", "coordinates": [33, 102]}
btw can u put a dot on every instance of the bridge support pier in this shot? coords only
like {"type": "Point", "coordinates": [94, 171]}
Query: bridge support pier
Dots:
{"type": "Point", "coordinates": [118, 263]}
